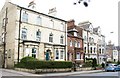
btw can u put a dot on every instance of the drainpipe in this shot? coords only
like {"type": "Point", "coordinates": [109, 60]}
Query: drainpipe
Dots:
{"type": "Point", "coordinates": [19, 36]}
{"type": "Point", "coordinates": [5, 55]}
{"type": "Point", "coordinates": [65, 42]}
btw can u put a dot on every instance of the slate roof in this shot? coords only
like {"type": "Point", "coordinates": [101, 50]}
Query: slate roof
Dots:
{"type": "Point", "coordinates": [84, 25]}
{"type": "Point", "coordinates": [37, 12]}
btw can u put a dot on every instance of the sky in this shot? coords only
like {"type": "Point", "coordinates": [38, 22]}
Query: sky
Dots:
{"type": "Point", "coordinates": [103, 13]}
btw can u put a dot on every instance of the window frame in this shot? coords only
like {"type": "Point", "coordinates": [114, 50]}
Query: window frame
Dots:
{"type": "Point", "coordinates": [57, 54]}
{"type": "Point", "coordinates": [61, 54]}
{"type": "Point", "coordinates": [61, 39]}
{"type": "Point", "coordinates": [71, 43]}
{"type": "Point", "coordinates": [35, 53]}
{"type": "Point", "coordinates": [50, 37]}
{"type": "Point", "coordinates": [25, 17]}
{"type": "Point", "coordinates": [78, 56]}
{"type": "Point", "coordinates": [38, 37]}
{"type": "Point", "coordinates": [24, 34]}
{"type": "Point", "coordinates": [39, 20]}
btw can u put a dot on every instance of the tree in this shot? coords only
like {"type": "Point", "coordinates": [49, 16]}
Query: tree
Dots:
{"type": "Point", "coordinates": [94, 62]}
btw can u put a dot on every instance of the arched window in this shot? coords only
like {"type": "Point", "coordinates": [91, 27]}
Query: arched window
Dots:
{"type": "Point", "coordinates": [78, 44]}
{"type": "Point", "coordinates": [38, 35]}
{"type": "Point", "coordinates": [61, 54]}
{"type": "Point", "coordinates": [85, 49]}
{"type": "Point", "coordinates": [100, 51]}
{"type": "Point", "coordinates": [70, 43]}
{"type": "Point", "coordinates": [91, 49]}
{"type": "Point", "coordinates": [89, 39]}
{"type": "Point", "coordinates": [78, 55]}
{"type": "Point", "coordinates": [75, 44]}
{"type": "Point", "coordinates": [57, 54]}
{"type": "Point", "coordinates": [61, 39]}
{"type": "Point", "coordinates": [50, 37]}
{"type": "Point", "coordinates": [24, 33]}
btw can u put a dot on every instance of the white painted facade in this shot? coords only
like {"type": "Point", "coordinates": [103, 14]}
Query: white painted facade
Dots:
{"type": "Point", "coordinates": [41, 36]}
{"type": "Point", "coordinates": [94, 41]}
{"type": "Point", "coordinates": [115, 55]}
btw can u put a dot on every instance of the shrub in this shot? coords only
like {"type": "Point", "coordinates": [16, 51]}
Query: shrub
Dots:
{"type": "Point", "coordinates": [25, 59]}
{"type": "Point", "coordinates": [31, 63]}
{"type": "Point", "coordinates": [88, 63]}
{"type": "Point", "coordinates": [94, 63]}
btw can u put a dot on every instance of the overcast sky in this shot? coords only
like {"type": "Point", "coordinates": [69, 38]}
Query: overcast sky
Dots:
{"type": "Point", "coordinates": [103, 13]}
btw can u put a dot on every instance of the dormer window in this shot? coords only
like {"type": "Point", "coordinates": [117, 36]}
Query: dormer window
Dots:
{"type": "Point", "coordinates": [75, 33]}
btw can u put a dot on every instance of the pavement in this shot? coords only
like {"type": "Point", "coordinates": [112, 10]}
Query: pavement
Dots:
{"type": "Point", "coordinates": [49, 74]}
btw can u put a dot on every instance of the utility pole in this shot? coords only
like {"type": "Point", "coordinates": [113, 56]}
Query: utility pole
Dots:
{"type": "Point", "coordinates": [5, 24]}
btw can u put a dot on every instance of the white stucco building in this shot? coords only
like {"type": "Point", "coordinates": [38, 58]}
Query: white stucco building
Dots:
{"type": "Point", "coordinates": [31, 33]}
{"type": "Point", "coordinates": [94, 42]}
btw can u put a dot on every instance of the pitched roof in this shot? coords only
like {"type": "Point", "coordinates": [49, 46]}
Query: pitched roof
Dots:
{"type": "Point", "coordinates": [37, 12]}
{"type": "Point", "coordinates": [84, 25]}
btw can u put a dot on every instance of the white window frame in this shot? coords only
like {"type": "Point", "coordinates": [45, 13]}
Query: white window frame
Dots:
{"type": "Point", "coordinates": [75, 34]}
{"type": "Point", "coordinates": [70, 43]}
{"type": "Point", "coordinates": [38, 20]}
{"type": "Point", "coordinates": [25, 17]}
{"type": "Point", "coordinates": [38, 36]}
{"type": "Point", "coordinates": [57, 54]}
{"type": "Point", "coordinates": [62, 27]}
{"type": "Point", "coordinates": [78, 56]}
{"type": "Point", "coordinates": [75, 44]}
{"type": "Point", "coordinates": [24, 35]}
{"type": "Point", "coordinates": [34, 53]}
{"type": "Point", "coordinates": [61, 39]}
{"type": "Point", "coordinates": [61, 54]}
{"type": "Point", "coordinates": [51, 25]}
{"type": "Point", "coordinates": [50, 37]}
{"type": "Point", "coordinates": [79, 45]}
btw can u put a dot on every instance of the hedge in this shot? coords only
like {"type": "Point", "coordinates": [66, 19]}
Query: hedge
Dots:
{"type": "Point", "coordinates": [36, 64]}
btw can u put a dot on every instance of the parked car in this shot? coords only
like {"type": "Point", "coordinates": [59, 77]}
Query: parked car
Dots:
{"type": "Point", "coordinates": [112, 67]}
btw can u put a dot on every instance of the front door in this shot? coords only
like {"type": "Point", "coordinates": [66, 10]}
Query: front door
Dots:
{"type": "Point", "coordinates": [48, 55]}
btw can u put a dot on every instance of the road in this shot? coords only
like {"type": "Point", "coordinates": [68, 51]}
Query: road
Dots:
{"type": "Point", "coordinates": [17, 74]}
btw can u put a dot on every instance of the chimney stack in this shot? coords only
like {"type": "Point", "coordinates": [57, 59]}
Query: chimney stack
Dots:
{"type": "Point", "coordinates": [71, 23]}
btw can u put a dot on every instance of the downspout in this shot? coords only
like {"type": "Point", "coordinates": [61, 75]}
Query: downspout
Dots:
{"type": "Point", "coordinates": [5, 55]}
{"type": "Point", "coordinates": [65, 42]}
{"type": "Point", "coordinates": [19, 35]}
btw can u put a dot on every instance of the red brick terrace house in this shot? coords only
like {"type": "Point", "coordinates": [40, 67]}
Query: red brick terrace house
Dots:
{"type": "Point", "coordinates": [75, 43]}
